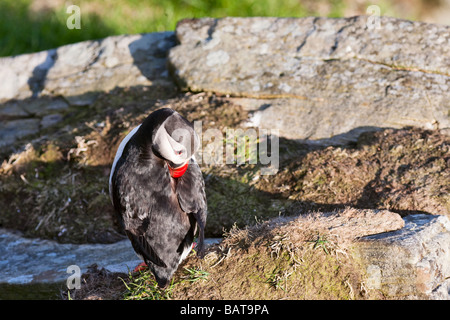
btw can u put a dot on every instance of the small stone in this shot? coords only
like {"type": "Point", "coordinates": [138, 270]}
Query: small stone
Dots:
{"type": "Point", "coordinates": [12, 110]}
{"type": "Point", "coordinates": [11, 131]}
{"type": "Point", "coordinates": [50, 120]}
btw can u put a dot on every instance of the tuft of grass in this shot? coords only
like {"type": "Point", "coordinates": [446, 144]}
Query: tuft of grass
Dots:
{"type": "Point", "coordinates": [195, 274]}
{"type": "Point", "coordinates": [321, 241]}
{"type": "Point", "coordinates": [277, 279]}
{"type": "Point", "coordinates": [143, 286]}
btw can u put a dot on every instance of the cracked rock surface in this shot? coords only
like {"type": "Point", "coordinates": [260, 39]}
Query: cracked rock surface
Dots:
{"type": "Point", "coordinates": [410, 263]}
{"type": "Point", "coordinates": [315, 78]}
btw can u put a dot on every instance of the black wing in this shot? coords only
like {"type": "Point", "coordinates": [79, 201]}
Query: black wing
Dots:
{"type": "Point", "coordinates": [192, 199]}
{"type": "Point", "coordinates": [134, 227]}
{"type": "Point", "coordinates": [142, 246]}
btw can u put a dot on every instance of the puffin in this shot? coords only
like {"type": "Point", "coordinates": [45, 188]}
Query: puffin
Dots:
{"type": "Point", "coordinates": [158, 192]}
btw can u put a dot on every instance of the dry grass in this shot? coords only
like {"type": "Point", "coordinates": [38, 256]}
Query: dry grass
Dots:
{"type": "Point", "coordinates": [305, 257]}
{"type": "Point", "coordinates": [283, 258]}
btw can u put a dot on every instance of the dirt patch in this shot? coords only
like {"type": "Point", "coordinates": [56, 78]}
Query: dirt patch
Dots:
{"type": "Point", "coordinates": [98, 284]}
{"type": "Point", "coordinates": [55, 186]}
{"type": "Point", "coordinates": [266, 263]}
{"type": "Point", "coordinates": [402, 170]}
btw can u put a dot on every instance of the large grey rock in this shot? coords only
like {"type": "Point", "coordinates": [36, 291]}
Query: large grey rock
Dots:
{"type": "Point", "coordinates": [39, 87]}
{"type": "Point", "coordinates": [315, 78]}
{"type": "Point", "coordinates": [120, 61]}
{"type": "Point", "coordinates": [413, 262]}
{"type": "Point", "coordinates": [352, 223]}
{"type": "Point", "coordinates": [22, 75]}
{"type": "Point", "coordinates": [27, 261]}
{"type": "Point", "coordinates": [76, 71]}
{"type": "Point", "coordinates": [18, 109]}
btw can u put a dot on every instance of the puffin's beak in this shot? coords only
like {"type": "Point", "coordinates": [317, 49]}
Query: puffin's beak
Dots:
{"type": "Point", "coordinates": [177, 170]}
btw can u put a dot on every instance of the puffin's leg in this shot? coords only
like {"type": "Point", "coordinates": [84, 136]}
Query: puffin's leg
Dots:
{"type": "Point", "coordinates": [141, 267]}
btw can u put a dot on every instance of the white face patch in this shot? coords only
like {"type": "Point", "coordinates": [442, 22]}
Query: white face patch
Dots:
{"type": "Point", "coordinates": [118, 155]}
{"type": "Point", "coordinates": [169, 148]}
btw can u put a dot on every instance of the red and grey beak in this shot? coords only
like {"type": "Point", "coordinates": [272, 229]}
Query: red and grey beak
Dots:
{"type": "Point", "coordinates": [178, 172]}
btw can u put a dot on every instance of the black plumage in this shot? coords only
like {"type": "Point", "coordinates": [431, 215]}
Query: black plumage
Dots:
{"type": "Point", "coordinates": [159, 213]}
